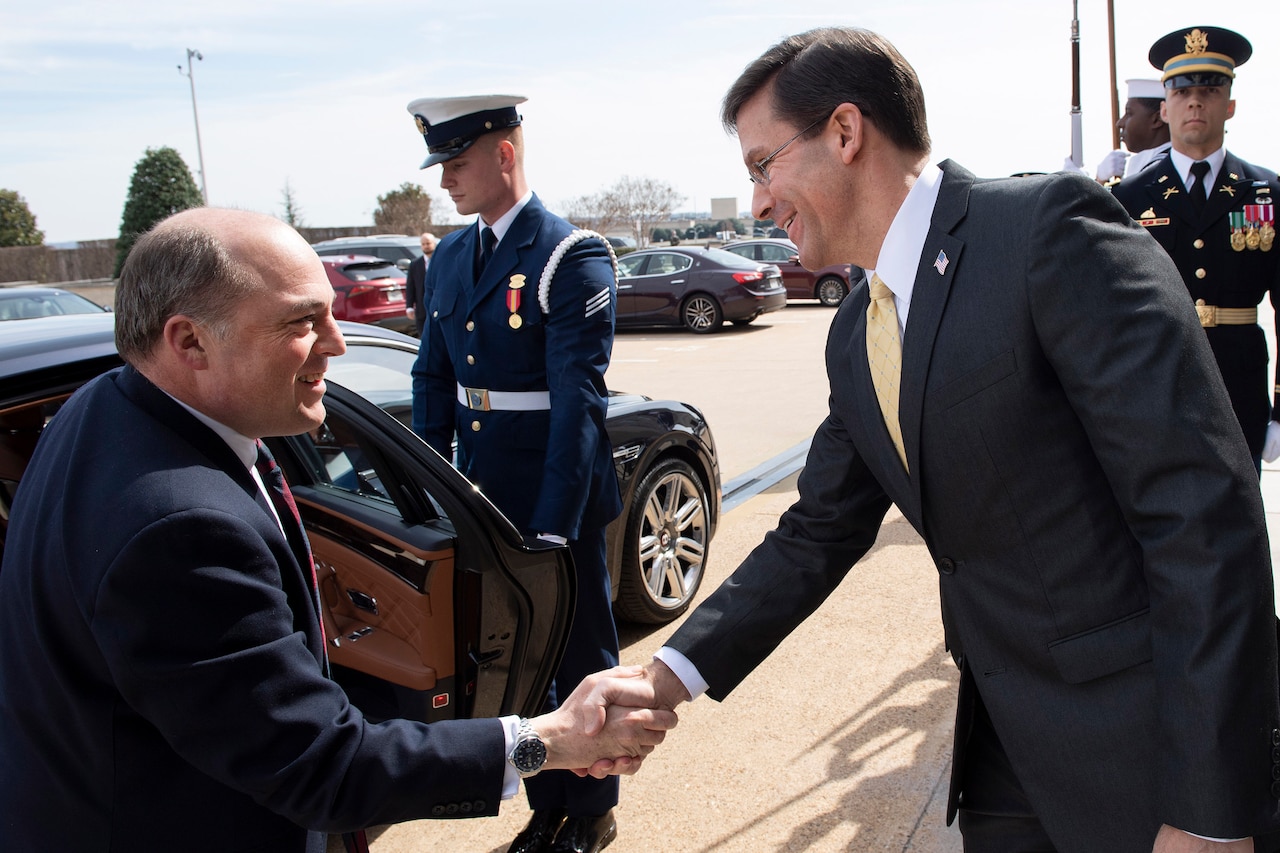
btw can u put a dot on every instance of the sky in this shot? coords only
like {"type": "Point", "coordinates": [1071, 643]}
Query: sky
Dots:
{"type": "Point", "coordinates": [313, 94]}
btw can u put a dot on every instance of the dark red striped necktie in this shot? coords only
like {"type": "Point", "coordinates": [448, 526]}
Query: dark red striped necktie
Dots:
{"type": "Point", "coordinates": [273, 478]}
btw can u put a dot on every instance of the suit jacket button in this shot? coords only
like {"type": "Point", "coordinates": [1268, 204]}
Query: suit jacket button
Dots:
{"type": "Point", "coordinates": [1275, 754]}
{"type": "Point", "coordinates": [947, 566]}
{"type": "Point", "coordinates": [1200, 273]}
{"type": "Point", "coordinates": [451, 809]}
{"type": "Point", "coordinates": [1199, 244]}
{"type": "Point", "coordinates": [437, 811]}
{"type": "Point", "coordinates": [1275, 772]}
{"type": "Point", "coordinates": [480, 806]}
{"type": "Point", "coordinates": [1275, 737]}
{"type": "Point", "coordinates": [465, 808]}
{"type": "Point", "coordinates": [475, 426]}
{"type": "Point", "coordinates": [471, 325]}
{"type": "Point", "coordinates": [471, 359]}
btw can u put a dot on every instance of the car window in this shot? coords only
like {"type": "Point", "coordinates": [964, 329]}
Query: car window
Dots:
{"type": "Point", "coordinates": [629, 265]}
{"type": "Point", "coordinates": [29, 304]}
{"type": "Point", "coordinates": [667, 263]}
{"type": "Point", "coordinates": [746, 251]}
{"type": "Point", "coordinates": [338, 459]}
{"type": "Point", "coordinates": [368, 270]}
{"type": "Point", "coordinates": [773, 253]}
{"type": "Point", "coordinates": [729, 259]}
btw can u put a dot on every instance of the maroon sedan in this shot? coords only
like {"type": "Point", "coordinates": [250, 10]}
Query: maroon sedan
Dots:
{"type": "Point", "coordinates": [828, 285]}
{"type": "Point", "coordinates": [367, 290]}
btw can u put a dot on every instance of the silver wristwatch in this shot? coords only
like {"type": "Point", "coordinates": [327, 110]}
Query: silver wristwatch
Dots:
{"type": "Point", "coordinates": [528, 753]}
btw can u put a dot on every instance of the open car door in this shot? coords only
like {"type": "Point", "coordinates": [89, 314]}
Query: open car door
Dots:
{"type": "Point", "coordinates": [435, 607]}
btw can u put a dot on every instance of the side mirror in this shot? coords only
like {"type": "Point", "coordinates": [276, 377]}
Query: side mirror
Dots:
{"type": "Point", "coordinates": [403, 264]}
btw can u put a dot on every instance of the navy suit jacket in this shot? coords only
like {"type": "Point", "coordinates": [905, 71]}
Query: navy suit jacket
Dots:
{"type": "Point", "coordinates": [1090, 503]}
{"type": "Point", "coordinates": [414, 291]}
{"type": "Point", "coordinates": [161, 659]}
{"type": "Point", "coordinates": [548, 471]}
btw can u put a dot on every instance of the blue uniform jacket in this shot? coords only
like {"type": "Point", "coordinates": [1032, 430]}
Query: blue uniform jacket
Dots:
{"type": "Point", "coordinates": [549, 471]}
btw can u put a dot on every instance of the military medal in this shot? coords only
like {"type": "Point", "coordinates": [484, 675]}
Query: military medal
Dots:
{"type": "Point", "coordinates": [1236, 218]}
{"type": "Point", "coordinates": [1253, 226]}
{"type": "Point", "coordinates": [1267, 230]}
{"type": "Point", "coordinates": [514, 287]}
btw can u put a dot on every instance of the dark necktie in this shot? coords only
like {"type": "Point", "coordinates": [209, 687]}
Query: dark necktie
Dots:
{"type": "Point", "coordinates": [1200, 191]}
{"type": "Point", "coordinates": [287, 509]}
{"type": "Point", "coordinates": [487, 241]}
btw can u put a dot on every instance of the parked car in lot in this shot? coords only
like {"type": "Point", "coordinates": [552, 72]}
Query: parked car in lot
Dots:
{"type": "Point", "coordinates": [399, 249]}
{"type": "Point", "coordinates": [437, 606]}
{"type": "Point", "coordinates": [22, 302]}
{"type": "Point", "coordinates": [695, 288]}
{"type": "Point", "coordinates": [828, 285]}
{"type": "Point", "coordinates": [367, 290]}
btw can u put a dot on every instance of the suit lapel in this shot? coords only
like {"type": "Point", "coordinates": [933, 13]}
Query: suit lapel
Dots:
{"type": "Point", "coordinates": [1166, 191]}
{"type": "Point", "coordinates": [934, 274]}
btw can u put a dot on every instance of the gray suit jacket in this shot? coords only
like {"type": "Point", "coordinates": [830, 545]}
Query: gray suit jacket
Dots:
{"type": "Point", "coordinates": [1089, 501]}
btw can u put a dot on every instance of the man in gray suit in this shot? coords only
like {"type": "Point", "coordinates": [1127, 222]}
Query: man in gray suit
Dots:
{"type": "Point", "coordinates": [1025, 379]}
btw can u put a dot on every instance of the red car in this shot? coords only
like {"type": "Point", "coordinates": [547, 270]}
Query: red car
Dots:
{"type": "Point", "coordinates": [828, 285]}
{"type": "Point", "coordinates": [367, 290]}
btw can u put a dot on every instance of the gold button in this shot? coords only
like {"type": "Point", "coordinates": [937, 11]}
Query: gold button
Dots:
{"type": "Point", "coordinates": [1200, 273]}
{"type": "Point", "coordinates": [471, 325]}
{"type": "Point", "coordinates": [1199, 244]}
{"type": "Point", "coordinates": [471, 359]}
{"type": "Point", "coordinates": [475, 426]}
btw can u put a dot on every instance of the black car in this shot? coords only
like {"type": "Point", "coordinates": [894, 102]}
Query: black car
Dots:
{"type": "Point", "coordinates": [435, 604]}
{"type": "Point", "coordinates": [695, 288]}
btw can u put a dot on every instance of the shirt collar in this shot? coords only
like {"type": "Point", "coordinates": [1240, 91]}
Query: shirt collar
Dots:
{"type": "Point", "coordinates": [245, 448]}
{"type": "Point", "coordinates": [1182, 163]}
{"type": "Point", "coordinates": [904, 243]}
{"type": "Point", "coordinates": [503, 225]}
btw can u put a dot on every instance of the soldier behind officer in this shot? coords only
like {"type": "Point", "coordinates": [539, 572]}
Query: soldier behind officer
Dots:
{"type": "Point", "coordinates": [1142, 131]}
{"type": "Point", "coordinates": [1214, 214]}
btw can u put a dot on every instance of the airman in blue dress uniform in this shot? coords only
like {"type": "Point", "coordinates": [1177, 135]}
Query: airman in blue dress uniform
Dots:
{"type": "Point", "coordinates": [1222, 241]}
{"type": "Point", "coordinates": [514, 368]}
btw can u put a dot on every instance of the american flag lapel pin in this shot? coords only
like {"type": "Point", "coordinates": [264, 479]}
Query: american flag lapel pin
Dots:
{"type": "Point", "coordinates": [940, 264]}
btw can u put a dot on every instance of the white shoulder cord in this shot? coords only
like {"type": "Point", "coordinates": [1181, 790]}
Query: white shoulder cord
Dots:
{"type": "Point", "coordinates": [575, 236]}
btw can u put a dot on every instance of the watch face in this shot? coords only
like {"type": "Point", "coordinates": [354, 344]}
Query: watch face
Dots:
{"type": "Point", "coordinates": [529, 755]}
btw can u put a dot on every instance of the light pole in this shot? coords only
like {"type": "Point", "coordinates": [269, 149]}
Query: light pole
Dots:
{"type": "Point", "coordinates": [204, 189]}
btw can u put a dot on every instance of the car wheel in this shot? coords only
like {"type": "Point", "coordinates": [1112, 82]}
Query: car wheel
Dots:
{"type": "Point", "coordinates": [665, 546]}
{"type": "Point", "coordinates": [701, 314]}
{"type": "Point", "coordinates": [831, 291]}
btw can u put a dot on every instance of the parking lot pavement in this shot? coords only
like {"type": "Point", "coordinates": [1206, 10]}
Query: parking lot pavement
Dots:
{"type": "Point", "coordinates": [841, 740]}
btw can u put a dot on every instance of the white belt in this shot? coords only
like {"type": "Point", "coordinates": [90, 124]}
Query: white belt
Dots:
{"type": "Point", "coordinates": [484, 400]}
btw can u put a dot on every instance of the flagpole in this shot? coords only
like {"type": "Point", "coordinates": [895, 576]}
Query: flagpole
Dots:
{"type": "Point", "coordinates": [1115, 97]}
{"type": "Point", "coordinates": [1077, 135]}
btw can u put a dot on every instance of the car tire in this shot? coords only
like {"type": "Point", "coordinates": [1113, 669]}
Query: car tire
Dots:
{"type": "Point", "coordinates": [745, 321]}
{"type": "Point", "coordinates": [701, 313]}
{"type": "Point", "coordinates": [665, 544]}
{"type": "Point", "coordinates": [831, 291]}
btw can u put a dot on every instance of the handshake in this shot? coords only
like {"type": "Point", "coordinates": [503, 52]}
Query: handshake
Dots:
{"type": "Point", "coordinates": [611, 721]}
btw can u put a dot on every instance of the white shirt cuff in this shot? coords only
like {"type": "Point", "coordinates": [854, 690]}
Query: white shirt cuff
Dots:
{"type": "Point", "coordinates": [511, 777]}
{"type": "Point", "coordinates": [684, 670]}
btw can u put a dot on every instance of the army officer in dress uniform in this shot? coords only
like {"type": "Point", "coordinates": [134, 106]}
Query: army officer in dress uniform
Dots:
{"type": "Point", "coordinates": [514, 368]}
{"type": "Point", "coordinates": [1214, 214]}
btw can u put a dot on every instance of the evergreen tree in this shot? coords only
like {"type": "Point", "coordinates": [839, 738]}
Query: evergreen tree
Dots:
{"type": "Point", "coordinates": [161, 186]}
{"type": "Point", "coordinates": [17, 222]}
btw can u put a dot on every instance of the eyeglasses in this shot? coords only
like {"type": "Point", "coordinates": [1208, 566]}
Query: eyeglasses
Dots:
{"type": "Point", "coordinates": [757, 171]}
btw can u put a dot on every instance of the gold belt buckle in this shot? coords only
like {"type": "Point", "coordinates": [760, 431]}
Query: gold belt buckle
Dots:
{"type": "Point", "coordinates": [1208, 314]}
{"type": "Point", "coordinates": [478, 398]}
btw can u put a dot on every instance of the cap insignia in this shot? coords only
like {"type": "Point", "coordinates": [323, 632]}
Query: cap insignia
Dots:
{"type": "Point", "coordinates": [422, 125]}
{"type": "Point", "coordinates": [1197, 41]}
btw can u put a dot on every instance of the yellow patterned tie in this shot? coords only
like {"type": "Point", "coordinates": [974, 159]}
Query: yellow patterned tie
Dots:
{"type": "Point", "coordinates": [884, 355]}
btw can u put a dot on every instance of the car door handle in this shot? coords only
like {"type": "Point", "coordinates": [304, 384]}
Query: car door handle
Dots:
{"type": "Point", "coordinates": [363, 601]}
{"type": "Point", "coordinates": [624, 287]}
{"type": "Point", "coordinates": [677, 281]}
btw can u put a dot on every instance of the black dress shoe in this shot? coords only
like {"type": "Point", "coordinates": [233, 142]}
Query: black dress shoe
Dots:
{"type": "Point", "coordinates": [586, 834]}
{"type": "Point", "coordinates": [537, 836]}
